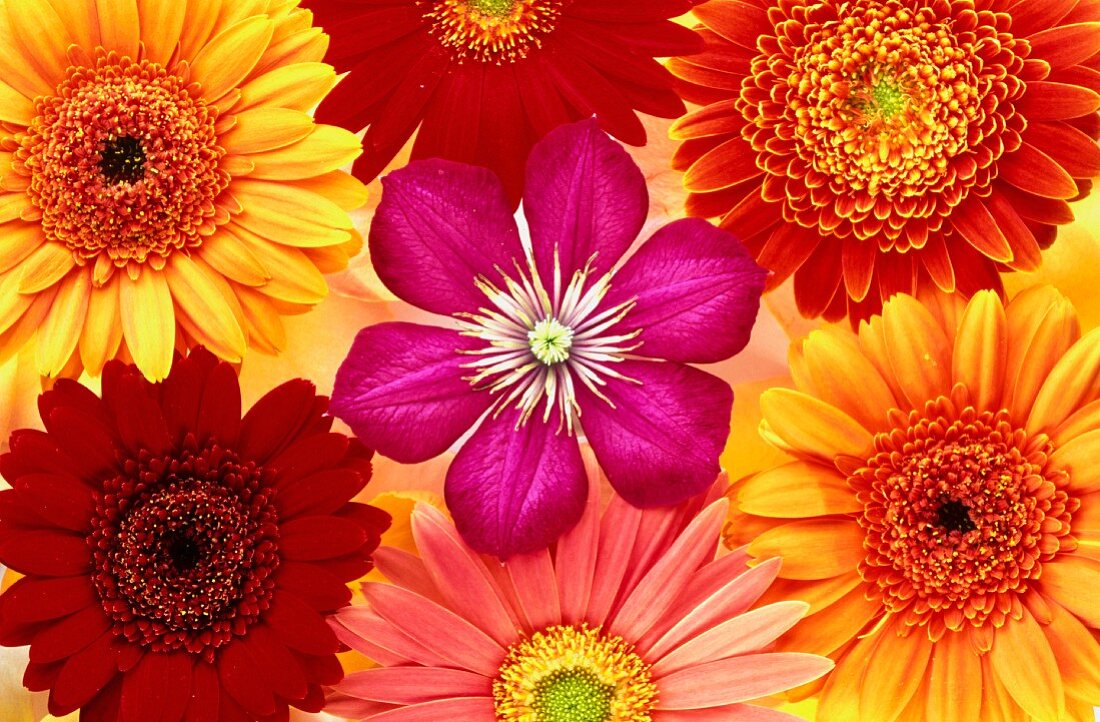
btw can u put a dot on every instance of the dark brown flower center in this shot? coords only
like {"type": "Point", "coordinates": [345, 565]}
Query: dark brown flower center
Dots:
{"type": "Point", "coordinates": [122, 160]}
{"type": "Point", "coordinates": [961, 510]}
{"type": "Point", "coordinates": [185, 546]}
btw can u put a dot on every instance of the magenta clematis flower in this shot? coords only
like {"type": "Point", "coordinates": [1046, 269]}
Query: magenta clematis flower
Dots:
{"type": "Point", "coordinates": [552, 336]}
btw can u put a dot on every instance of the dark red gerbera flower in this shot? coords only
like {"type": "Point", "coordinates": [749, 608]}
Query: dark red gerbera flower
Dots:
{"type": "Point", "coordinates": [180, 560]}
{"type": "Point", "coordinates": [485, 79]}
{"type": "Point", "coordinates": [869, 148]}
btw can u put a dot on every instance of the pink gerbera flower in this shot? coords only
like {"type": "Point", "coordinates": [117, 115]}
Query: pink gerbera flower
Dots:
{"type": "Point", "coordinates": [630, 618]}
{"type": "Point", "coordinates": [551, 331]}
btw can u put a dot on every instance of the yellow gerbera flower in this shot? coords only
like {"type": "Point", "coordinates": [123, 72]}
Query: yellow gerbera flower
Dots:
{"type": "Point", "coordinates": [162, 183]}
{"type": "Point", "coordinates": [942, 515]}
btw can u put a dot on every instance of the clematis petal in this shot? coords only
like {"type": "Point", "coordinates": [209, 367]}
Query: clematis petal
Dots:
{"type": "Point", "coordinates": [514, 490]}
{"type": "Point", "coordinates": [697, 292]}
{"type": "Point", "coordinates": [584, 196]}
{"type": "Point", "coordinates": [439, 226]}
{"type": "Point", "coordinates": [658, 440]}
{"type": "Point", "coordinates": [401, 390]}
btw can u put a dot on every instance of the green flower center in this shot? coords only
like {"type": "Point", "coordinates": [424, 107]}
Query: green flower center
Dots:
{"type": "Point", "coordinates": [888, 98]}
{"type": "Point", "coordinates": [495, 8]}
{"type": "Point", "coordinates": [573, 695]}
{"type": "Point", "coordinates": [550, 341]}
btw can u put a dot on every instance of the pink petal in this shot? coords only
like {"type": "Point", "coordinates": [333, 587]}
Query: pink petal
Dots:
{"type": "Point", "coordinates": [746, 633]}
{"type": "Point", "coordinates": [697, 292]}
{"type": "Point", "coordinates": [575, 559]}
{"type": "Point", "coordinates": [439, 226]}
{"type": "Point", "coordinates": [704, 606]}
{"type": "Point", "coordinates": [668, 576]}
{"type": "Point", "coordinates": [618, 535]}
{"type": "Point", "coordinates": [660, 442]}
{"type": "Point", "coordinates": [536, 588]}
{"type": "Point", "coordinates": [584, 195]}
{"type": "Point", "coordinates": [725, 713]}
{"type": "Point", "coordinates": [408, 571]}
{"type": "Point", "coordinates": [401, 390]}
{"type": "Point", "coordinates": [739, 679]}
{"type": "Point", "coordinates": [460, 576]}
{"type": "Point", "coordinates": [513, 490]}
{"type": "Point", "coordinates": [362, 629]}
{"type": "Point", "coordinates": [467, 709]}
{"type": "Point", "coordinates": [414, 685]}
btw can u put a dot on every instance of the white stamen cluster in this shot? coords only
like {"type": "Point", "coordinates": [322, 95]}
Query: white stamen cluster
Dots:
{"type": "Point", "coordinates": [541, 344]}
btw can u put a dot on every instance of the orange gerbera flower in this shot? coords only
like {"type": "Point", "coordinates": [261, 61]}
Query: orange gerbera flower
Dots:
{"type": "Point", "coordinates": [161, 182]}
{"type": "Point", "coordinates": [862, 146]}
{"type": "Point", "coordinates": [943, 513]}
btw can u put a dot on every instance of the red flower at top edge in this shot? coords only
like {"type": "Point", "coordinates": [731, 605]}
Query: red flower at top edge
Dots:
{"type": "Point", "coordinates": [179, 559]}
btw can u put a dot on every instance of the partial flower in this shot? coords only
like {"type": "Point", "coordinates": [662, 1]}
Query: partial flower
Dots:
{"type": "Point", "coordinates": [162, 183]}
{"type": "Point", "coordinates": [480, 81]}
{"type": "Point", "coordinates": [180, 559]}
{"type": "Point", "coordinates": [629, 618]}
{"type": "Point", "coordinates": [942, 513]}
{"type": "Point", "coordinates": [551, 332]}
{"type": "Point", "coordinates": [863, 146]}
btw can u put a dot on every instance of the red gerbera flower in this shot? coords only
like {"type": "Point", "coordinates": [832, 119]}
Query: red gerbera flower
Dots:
{"type": "Point", "coordinates": [866, 146]}
{"type": "Point", "coordinates": [179, 559]}
{"type": "Point", "coordinates": [485, 79]}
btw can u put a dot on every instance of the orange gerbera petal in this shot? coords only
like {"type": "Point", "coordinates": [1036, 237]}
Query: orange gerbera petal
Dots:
{"type": "Point", "coordinates": [129, 128]}
{"type": "Point", "coordinates": [893, 133]}
{"type": "Point", "coordinates": [972, 524]}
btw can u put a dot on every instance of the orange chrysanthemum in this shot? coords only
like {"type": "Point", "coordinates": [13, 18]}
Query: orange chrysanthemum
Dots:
{"type": "Point", "coordinates": [162, 184]}
{"type": "Point", "coordinates": [942, 515]}
{"type": "Point", "coordinates": [863, 146]}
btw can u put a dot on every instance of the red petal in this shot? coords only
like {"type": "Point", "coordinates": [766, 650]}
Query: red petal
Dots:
{"type": "Point", "coordinates": [276, 419]}
{"type": "Point", "coordinates": [818, 279]}
{"type": "Point", "coordinates": [347, 567]}
{"type": "Point", "coordinates": [317, 587]}
{"type": "Point", "coordinates": [324, 670]}
{"type": "Point", "coordinates": [1025, 249]}
{"type": "Point", "coordinates": [733, 162]}
{"type": "Point", "coordinates": [84, 439]}
{"type": "Point", "coordinates": [320, 493]}
{"type": "Point", "coordinates": [33, 451]}
{"type": "Point", "coordinates": [220, 410]}
{"type": "Point", "coordinates": [61, 499]}
{"type": "Point", "coordinates": [1066, 45]}
{"type": "Point", "coordinates": [786, 251]}
{"type": "Point", "coordinates": [1067, 146]}
{"type": "Point", "coordinates": [300, 627]}
{"type": "Point", "coordinates": [281, 667]}
{"type": "Point", "coordinates": [1029, 16]}
{"type": "Point", "coordinates": [40, 677]}
{"type": "Point", "coordinates": [237, 670]}
{"type": "Point", "coordinates": [1046, 100]}
{"type": "Point", "coordinates": [136, 412]}
{"type": "Point", "coordinates": [318, 537]}
{"type": "Point", "coordinates": [205, 694]}
{"type": "Point", "coordinates": [33, 600]}
{"type": "Point", "coordinates": [84, 675]}
{"type": "Point", "coordinates": [973, 221]}
{"type": "Point", "coordinates": [182, 391]}
{"type": "Point", "coordinates": [66, 392]}
{"type": "Point", "coordinates": [739, 22]}
{"type": "Point", "coordinates": [106, 705]}
{"type": "Point", "coordinates": [308, 455]}
{"type": "Point", "coordinates": [158, 687]}
{"type": "Point", "coordinates": [49, 553]}
{"type": "Point", "coordinates": [70, 635]}
{"type": "Point", "coordinates": [859, 266]}
{"type": "Point", "coordinates": [1031, 170]}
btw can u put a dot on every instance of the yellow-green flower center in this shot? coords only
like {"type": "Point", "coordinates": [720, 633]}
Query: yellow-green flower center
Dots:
{"type": "Point", "coordinates": [495, 8]}
{"type": "Point", "coordinates": [573, 674]}
{"type": "Point", "coordinates": [888, 98]}
{"type": "Point", "coordinates": [550, 341]}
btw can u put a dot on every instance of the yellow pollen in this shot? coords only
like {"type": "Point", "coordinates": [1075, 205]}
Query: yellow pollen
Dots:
{"type": "Point", "coordinates": [492, 31]}
{"type": "Point", "coordinates": [573, 674]}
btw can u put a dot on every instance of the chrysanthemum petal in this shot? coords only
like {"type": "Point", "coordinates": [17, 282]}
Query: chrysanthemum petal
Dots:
{"type": "Point", "coordinates": [1069, 580]}
{"type": "Point", "coordinates": [686, 278]}
{"type": "Point", "coordinates": [659, 440]}
{"type": "Point", "coordinates": [513, 489]}
{"type": "Point", "coordinates": [1036, 687]}
{"type": "Point", "coordinates": [398, 377]}
{"type": "Point", "coordinates": [812, 548]}
{"type": "Point", "coordinates": [585, 197]}
{"type": "Point", "coordinates": [810, 427]}
{"type": "Point", "coordinates": [797, 490]}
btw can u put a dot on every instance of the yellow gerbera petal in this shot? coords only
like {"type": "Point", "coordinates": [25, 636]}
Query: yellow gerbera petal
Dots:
{"type": "Point", "coordinates": [809, 426]}
{"type": "Point", "coordinates": [797, 490]}
{"type": "Point", "coordinates": [264, 129]}
{"type": "Point", "coordinates": [231, 55]}
{"type": "Point", "coordinates": [812, 548]}
{"type": "Point", "coordinates": [148, 322]}
{"type": "Point", "coordinates": [300, 86]}
{"type": "Point", "coordinates": [61, 331]}
{"type": "Point", "coordinates": [326, 149]}
{"type": "Point", "coordinates": [119, 26]}
{"type": "Point", "coordinates": [102, 332]}
{"type": "Point", "coordinates": [43, 35]}
{"type": "Point", "coordinates": [161, 24]}
{"type": "Point", "coordinates": [1073, 382]}
{"type": "Point", "coordinates": [200, 300]}
{"type": "Point", "coordinates": [45, 267]}
{"type": "Point", "coordinates": [1037, 685]}
{"type": "Point", "coordinates": [980, 348]}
